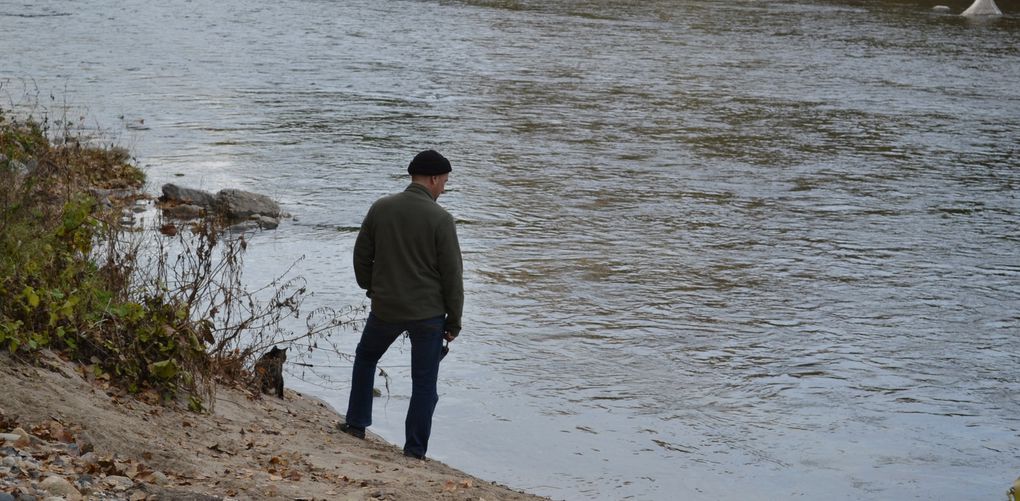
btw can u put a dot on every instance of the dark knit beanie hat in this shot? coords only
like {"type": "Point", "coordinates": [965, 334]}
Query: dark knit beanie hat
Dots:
{"type": "Point", "coordinates": [429, 163]}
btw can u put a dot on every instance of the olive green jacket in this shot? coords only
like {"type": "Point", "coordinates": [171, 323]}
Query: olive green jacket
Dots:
{"type": "Point", "coordinates": [408, 259]}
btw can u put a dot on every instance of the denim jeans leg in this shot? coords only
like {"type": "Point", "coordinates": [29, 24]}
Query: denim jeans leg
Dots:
{"type": "Point", "coordinates": [426, 347]}
{"type": "Point", "coordinates": [376, 338]}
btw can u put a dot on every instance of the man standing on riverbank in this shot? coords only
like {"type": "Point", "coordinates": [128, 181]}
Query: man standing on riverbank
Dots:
{"type": "Point", "coordinates": [407, 257]}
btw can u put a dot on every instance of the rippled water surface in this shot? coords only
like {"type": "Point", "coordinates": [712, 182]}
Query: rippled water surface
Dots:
{"type": "Point", "coordinates": [714, 250]}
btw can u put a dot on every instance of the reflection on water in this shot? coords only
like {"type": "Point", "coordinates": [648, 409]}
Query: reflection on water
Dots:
{"type": "Point", "coordinates": [712, 247]}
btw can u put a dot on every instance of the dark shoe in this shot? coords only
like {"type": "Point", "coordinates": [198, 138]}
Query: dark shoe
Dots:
{"type": "Point", "coordinates": [353, 431]}
{"type": "Point", "coordinates": [413, 455]}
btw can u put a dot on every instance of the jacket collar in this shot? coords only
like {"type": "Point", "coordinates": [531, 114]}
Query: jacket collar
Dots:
{"type": "Point", "coordinates": [415, 187]}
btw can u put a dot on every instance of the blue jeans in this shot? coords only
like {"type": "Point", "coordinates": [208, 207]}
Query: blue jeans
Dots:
{"type": "Point", "coordinates": [426, 346]}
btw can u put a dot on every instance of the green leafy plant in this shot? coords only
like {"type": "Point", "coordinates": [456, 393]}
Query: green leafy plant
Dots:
{"type": "Point", "coordinates": [150, 312]}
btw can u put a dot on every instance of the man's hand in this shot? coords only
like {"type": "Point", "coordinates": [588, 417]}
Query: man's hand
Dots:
{"type": "Point", "coordinates": [449, 336]}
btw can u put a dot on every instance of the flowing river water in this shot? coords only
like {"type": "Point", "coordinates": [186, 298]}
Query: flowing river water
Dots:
{"type": "Point", "coordinates": [742, 249]}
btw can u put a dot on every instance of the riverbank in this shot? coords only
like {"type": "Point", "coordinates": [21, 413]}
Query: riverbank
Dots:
{"type": "Point", "coordinates": [107, 444]}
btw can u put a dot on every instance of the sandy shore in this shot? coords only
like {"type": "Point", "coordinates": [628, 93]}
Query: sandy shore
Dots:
{"type": "Point", "coordinates": [109, 445]}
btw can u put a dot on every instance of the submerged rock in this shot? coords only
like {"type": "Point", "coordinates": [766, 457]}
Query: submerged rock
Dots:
{"type": "Point", "coordinates": [239, 204]}
{"type": "Point", "coordinates": [246, 226]}
{"type": "Point", "coordinates": [244, 210]}
{"type": "Point", "coordinates": [180, 195]}
{"type": "Point", "coordinates": [184, 211]}
{"type": "Point", "coordinates": [266, 222]}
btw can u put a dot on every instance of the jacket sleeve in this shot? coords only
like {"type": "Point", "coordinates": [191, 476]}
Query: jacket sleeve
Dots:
{"type": "Point", "coordinates": [364, 255]}
{"type": "Point", "coordinates": [451, 272]}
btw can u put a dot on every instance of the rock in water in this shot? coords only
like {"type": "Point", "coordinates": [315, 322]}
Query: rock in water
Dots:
{"type": "Point", "coordinates": [181, 195]}
{"type": "Point", "coordinates": [244, 227]}
{"type": "Point", "coordinates": [184, 211]}
{"type": "Point", "coordinates": [267, 223]}
{"type": "Point", "coordinates": [239, 204]}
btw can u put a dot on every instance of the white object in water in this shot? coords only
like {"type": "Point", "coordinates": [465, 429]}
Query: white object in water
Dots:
{"type": "Point", "coordinates": [941, 8]}
{"type": "Point", "coordinates": [982, 8]}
